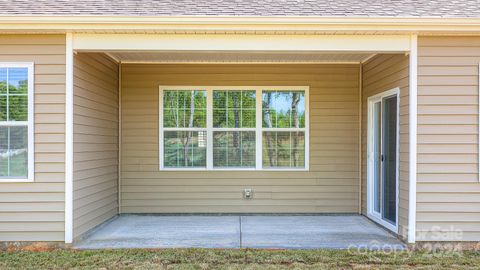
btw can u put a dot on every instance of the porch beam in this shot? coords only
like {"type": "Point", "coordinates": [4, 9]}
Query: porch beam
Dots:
{"type": "Point", "coordinates": [242, 43]}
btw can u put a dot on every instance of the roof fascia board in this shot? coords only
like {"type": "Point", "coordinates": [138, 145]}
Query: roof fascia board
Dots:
{"type": "Point", "coordinates": [239, 23]}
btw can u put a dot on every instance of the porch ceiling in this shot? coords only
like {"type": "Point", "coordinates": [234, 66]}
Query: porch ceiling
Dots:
{"type": "Point", "coordinates": [238, 57]}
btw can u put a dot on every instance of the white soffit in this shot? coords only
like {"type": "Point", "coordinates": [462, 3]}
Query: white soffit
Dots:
{"type": "Point", "coordinates": [238, 57]}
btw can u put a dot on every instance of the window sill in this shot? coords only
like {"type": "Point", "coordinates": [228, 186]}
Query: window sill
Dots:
{"type": "Point", "coordinates": [234, 170]}
{"type": "Point", "coordinates": [15, 180]}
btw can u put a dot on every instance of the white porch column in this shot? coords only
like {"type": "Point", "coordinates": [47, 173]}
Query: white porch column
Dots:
{"type": "Point", "coordinates": [69, 139]}
{"type": "Point", "coordinates": [412, 136]}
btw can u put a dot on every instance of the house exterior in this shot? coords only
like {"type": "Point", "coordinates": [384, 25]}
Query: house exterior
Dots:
{"type": "Point", "coordinates": [367, 108]}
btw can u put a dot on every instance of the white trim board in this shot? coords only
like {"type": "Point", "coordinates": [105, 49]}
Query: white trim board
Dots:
{"type": "Point", "coordinates": [245, 43]}
{"type": "Point", "coordinates": [412, 139]}
{"type": "Point", "coordinates": [241, 24]}
{"type": "Point", "coordinates": [30, 122]}
{"type": "Point", "coordinates": [119, 172]}
{"type": "Point", "coordinates": [237, 63]}
{"type": "Point", "coordinates": [69, 139]}
{"type": "Point", "coordinates": [360, 146]}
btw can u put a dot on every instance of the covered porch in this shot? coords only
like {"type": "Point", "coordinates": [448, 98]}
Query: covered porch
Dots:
{"type": "Point", "coordinates": [119, 172]}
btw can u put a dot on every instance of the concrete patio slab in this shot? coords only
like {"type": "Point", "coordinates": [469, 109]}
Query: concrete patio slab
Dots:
{"type": "Point", "coordinates": [149, 231]}
{"type": "Point", "coordinates": [313, 232]}
{"type": "Point", "coordinates": [283, 232]}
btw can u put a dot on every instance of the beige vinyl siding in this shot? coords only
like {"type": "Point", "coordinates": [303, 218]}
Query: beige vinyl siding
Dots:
{"type": "Point", "coordinates": [448, 189]}
{"type": "Point", "coordinates": [95, 138]}
{"type": "Point", "coordinates": [382, 73]}
{"type": "Point", "coordinates": [331, 185]}
{"type": "Point", "coordinates": [35, 211]}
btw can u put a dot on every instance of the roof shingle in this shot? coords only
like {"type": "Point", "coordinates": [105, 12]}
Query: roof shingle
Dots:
{"type": "Point", "coordinates": [326, 8]}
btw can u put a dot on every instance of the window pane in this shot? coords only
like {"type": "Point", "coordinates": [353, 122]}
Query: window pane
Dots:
{"type": "Point", "coordinates": [283, 109]}
{"type": "Point", "coordinates": [14, 151]}
{"type": "Point", "coordinates": [233, 109]}
{"type": "Point", "coordinates": [17, 80]}
{"type": "Point", "coordinates": [3, 108]}
{"type": "Point", "coordinates": [248, 109]}
{"type": "Point", "coordinates": [185, 109]}
{"type": "Point", "coordinates": [18, 151]}
{"type": "Point", "coordinates": [3, 81]}
{"type": "Point", "coordinates": [248, 118]}
{"type": "Point", "coordinates": [18, 108]}
{"type": "Point", "coordinates": [234, 149]}
{"type": "Point", "coordinates": [184, 149]}
{"type": "Point", "coordinates": [3, 151]}
{"type": "Point", "coordinates": [284, 149]}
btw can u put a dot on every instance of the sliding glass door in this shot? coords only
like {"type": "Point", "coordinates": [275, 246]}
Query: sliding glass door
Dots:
{"type": "Point", "coordinates": [383, 158]}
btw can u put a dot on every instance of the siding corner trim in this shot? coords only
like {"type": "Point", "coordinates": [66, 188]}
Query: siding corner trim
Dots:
{"type": "Point", "coordinates": [412, 202]}
{"type": "Point", "coordinates": [478, 114]}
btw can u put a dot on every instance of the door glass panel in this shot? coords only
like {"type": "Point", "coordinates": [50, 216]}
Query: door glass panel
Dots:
{"type": "Point", "coordinates": [377, 126]}
{"type": "Point", "coordinates": [389, 135]}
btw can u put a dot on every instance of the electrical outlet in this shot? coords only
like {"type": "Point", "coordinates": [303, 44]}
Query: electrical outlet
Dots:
{"type": "Point", "coordinates": [248, 193]}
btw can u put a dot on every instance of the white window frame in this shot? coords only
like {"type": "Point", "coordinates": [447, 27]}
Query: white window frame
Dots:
{"type": "Point", "coordinates": [29, 123]}
{"type": "Point", "coordinates": [258, 126]}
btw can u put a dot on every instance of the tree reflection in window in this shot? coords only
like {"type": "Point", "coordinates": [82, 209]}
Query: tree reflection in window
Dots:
{"type": "Point", "coordinates": [283, 128]}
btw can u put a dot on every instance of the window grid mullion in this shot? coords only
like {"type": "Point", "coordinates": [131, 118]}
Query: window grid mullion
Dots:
{"type": "Point", "coordinates": [184, 112]}
{"type": "Point", "coordinates": [177, 108]}
{"type": "Point", "coordinates": [209, 129]}
{"type": "Point", "coordinates": [233, 129]}
{"type": "Point", "coordinates": [290, 146]}
{"type": "Point", "coordinates": [184, 129]}
{"type": "Point", "coordinates": [8, 151]}
{"type": "Point", "coordinates": [14, 95]}
{"type": "Point", "coordinates": [226, 108]}
{"type": "Point", "coordinates": [258, 131]}
{"type": "Point", "coordinates": [284, 129]}
{"type": "Point", "coordinates": [14, 123]}
{"type": "Point", "coordinates": [241, 112]}
{"type": "Point", "coordinates": [241, 149]}
{"type": "Point", "coordinates": [8, 98]}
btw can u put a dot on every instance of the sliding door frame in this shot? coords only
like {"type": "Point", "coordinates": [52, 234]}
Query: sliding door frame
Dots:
{"type": "Point", "coordinates": [371, 161]}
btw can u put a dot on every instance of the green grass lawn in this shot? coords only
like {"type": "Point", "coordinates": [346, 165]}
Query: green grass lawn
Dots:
{"type": "Point", "coordinates": [236, 259]}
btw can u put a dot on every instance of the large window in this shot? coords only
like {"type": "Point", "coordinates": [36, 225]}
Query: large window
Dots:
{"type": "Point", "coordinates": [16, 122]}
{"type": "Point", "coordinates": [283, 129]}
{"type": "Point", "coordinates": [233, 128]}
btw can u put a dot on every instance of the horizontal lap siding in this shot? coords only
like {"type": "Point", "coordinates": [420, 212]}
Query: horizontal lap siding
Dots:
{"type": "Point", "coordinates": [382, 73]}
{"type": "Point", "coordinates": [331, 185]}
{"type": "Point", "coordinates": [448, 190]}
{"type": "Point", "coordinates": [95, 168]}
{"type": "Point", "coordinates": [35, 211]}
